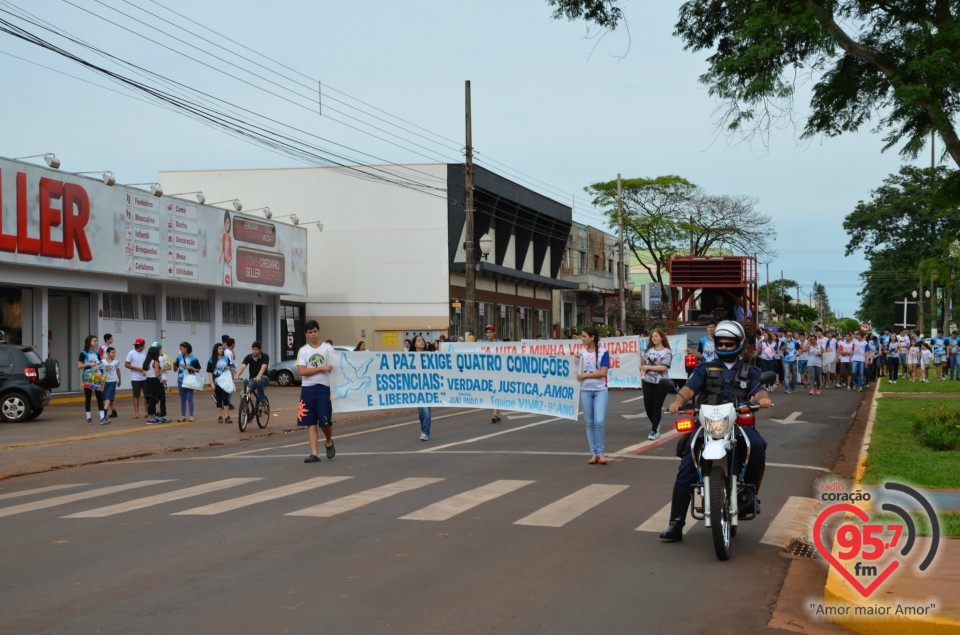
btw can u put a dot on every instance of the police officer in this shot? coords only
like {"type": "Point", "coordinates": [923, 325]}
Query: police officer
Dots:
{"type": "Point", "coordinates": [719, 381]}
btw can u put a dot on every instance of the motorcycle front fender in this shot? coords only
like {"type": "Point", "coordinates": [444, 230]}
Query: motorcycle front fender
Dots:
{"type": "Point", "coordinates": [715, 449]}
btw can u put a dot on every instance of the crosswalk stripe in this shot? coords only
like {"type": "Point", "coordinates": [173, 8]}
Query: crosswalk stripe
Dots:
{"type": "Point", "coordinates": [355, 501]}
{"type": "Point", "coordinates": [794, 520]}
{"type": "Point", "coordinates": [450, 507]}
{"type": "Point", "coordinates": [70, 498]}
{"type": "Point", "coordinates": [148, 501]}
{"type": "Point", "coordinates": [40, 490]}
{"type": "Point", "coordinates": [525, 415]}
{"type": "Point", "coordinates": [632, 400]}
{"type": "Point", "coordinates": [570, 507]}
{"type": "Point", "coordinates": [489, 436]}
{"type": "Point", "coordinates": [260, 497]}
{"type": "Point", "coordinates": [659, 521]}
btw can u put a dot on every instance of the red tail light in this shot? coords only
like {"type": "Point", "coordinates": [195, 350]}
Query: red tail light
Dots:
{"type": "Point", "coordinates": [684, 425]}
{"type": "Point", "coordinates": [745, 419]}
{"type": "Point", "coordinates": [31, 373]}
{"type": "Point", "coordinates": [690, 362]}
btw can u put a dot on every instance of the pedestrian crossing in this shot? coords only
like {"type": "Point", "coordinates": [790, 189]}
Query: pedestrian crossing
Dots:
{"type": "Point", "coordinates": [563, 508]}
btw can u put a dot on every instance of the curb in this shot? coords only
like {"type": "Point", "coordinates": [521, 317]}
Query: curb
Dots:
{"type": "Point", "coordinates": [837, 591]}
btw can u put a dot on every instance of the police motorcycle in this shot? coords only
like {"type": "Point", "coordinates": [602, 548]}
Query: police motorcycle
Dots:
{"type": "Point", "coordinates": [712, 433]}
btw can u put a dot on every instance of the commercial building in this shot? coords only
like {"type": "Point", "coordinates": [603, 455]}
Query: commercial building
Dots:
{"type": "Point", "coordinates": [387, 247]}
{"type": "Point", "coordinates": [79, 256]}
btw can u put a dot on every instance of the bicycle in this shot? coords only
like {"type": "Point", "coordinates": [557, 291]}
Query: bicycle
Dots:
{"type": "Point", "coordinates": [251, 407]}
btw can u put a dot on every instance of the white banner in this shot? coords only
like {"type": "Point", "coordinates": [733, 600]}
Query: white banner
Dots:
{"type": "Point", "coordinates": [541, 384]}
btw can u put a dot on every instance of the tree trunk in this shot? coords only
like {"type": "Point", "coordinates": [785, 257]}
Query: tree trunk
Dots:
{"type": "Point", "coordinates": [947, 302]}
{"type": "Point", "coordinates": [920, 307]}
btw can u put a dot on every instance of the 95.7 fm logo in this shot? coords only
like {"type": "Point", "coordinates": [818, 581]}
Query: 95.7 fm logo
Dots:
{"type": "Point", "coordinates": [870, 549]}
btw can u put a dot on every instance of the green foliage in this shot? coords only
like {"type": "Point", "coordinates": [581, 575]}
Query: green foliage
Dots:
{"type": "Point", "coordinates": [795, 325]}
{"type": "Point", "coordinates": [938, 428]}
{"type": "Point", "coordinates": [779, 292]}
{"type": "Point", "coordinates": [848, 325]}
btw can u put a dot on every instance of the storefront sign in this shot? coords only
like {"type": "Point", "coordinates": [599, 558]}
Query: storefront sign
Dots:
{"type": "Point", "coordinates": [253, 231]}
{"type": "Point", "coordinates": [260, 267]}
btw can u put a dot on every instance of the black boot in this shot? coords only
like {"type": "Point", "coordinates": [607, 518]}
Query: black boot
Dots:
{"type": "Point", "coordinates": [678, 515]}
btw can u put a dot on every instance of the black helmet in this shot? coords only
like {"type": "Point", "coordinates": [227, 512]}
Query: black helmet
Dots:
{"type": "Point", "coordinates": [729, 330]}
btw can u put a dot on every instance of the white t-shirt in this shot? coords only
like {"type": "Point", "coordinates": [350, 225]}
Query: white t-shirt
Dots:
{"type": "Point", "coordinates": [136, 360]}
{"type": "Point", "coordinates": [859, 351]}
{"type": "Point", "coordinates": [110, 369]}
{"type": "Point", "coordinates": [314, 357]}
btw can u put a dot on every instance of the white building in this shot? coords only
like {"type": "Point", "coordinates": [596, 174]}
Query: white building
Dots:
{"type": "Point", "coordinates": [80, 257]}
{"type": "Point", "coordinates": [389, 259]}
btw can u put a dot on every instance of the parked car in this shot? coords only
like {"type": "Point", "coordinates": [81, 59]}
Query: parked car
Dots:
{"type": "Point", "coordinates": [25, 382]}
{"type": "Point", "coordinates": [285, 373]}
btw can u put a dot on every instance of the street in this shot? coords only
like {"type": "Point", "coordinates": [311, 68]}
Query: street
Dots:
{"type": "Point", "coordinates": [485, 528]}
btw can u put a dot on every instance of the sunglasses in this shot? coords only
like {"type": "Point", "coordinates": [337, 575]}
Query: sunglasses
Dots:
{"type": "Point", "coordinates": [725, 346]}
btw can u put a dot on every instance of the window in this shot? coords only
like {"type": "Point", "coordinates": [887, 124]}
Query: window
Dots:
{"type": "Point", "coordinates": [596, 262]}
{"type": "Point", "coordinates": [238, 313]}
{"type": "Point", "coordinates": [149, 307]}
{"type": "Point", "coordinates": [121, 306]}
{"type": "Point", "coordinates": [195, 310]}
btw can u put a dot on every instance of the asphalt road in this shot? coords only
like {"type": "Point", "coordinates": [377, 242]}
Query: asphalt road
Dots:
{"type": "Point", "coordinates": [486, 528]}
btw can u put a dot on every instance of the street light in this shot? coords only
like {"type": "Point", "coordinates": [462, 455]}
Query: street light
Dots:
{"type": "Point", "coordinates": [266, 211]}
{"type": "Point", "coordinates": [486, 245]}
{"type": "Point", "coordinates": [294, 219]}
{"type": "Point", "coordinates": [50, 159]}
{"type": "Point", "coordinates": [106, 176]}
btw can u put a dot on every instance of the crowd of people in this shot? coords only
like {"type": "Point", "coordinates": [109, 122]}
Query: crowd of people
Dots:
{"type": "Point", "coordinates": [150, 371]}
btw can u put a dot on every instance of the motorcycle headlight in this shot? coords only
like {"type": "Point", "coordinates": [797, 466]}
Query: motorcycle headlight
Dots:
{"type": "Point", "coordinates": [717, 428]}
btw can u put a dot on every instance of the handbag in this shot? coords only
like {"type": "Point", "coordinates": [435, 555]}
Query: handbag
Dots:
{"type": "Point", "coordinates": [193, 381]}
{"type": "Point", "coordinates": [94, 380]}
{"type": "Point", "coordinates": [225, 382]}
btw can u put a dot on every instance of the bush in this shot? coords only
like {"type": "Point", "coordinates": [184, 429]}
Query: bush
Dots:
{"type": "Point", "coordinates": [938, 428]}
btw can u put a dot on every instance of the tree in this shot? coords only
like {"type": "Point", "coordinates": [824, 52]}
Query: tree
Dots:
{"type": "Point", "coordinates": [888, 278]}
{"type": "Point", "coordinates": [780, 300]}
{"type": "Point", "coordinates": [665, 216]}
{"type": "Point", "coordinates": [820, 301]}
{"type": "Point", "coordinates": [891, 64]}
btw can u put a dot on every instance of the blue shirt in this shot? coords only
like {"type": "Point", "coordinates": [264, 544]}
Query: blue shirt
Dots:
{"type": "Point", "coordinates": [698, 379]}
{"type": "Point", "coordinates": [707, 349]}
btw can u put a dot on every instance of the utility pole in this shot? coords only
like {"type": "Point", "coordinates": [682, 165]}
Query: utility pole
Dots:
{"type": "Point", "coordinates": [622, 275]}
{"type": "Point", "coordinates": [768, 292]}
{"type": "Point", "coordinates": [783, 297]}
{"type": "Point", "coordinates": [470, 314]}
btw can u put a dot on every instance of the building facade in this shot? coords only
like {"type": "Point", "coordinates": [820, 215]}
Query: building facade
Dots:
{"type": "Point", "coordinates": [79, 257]}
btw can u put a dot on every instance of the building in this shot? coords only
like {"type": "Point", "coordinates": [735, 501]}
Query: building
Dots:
{"type": "Point", "coordinates": [591, 262]}
{"type": "Point", "coordinates": [79, 256]}
{"type": "Point", "coordinates": [387, 247]}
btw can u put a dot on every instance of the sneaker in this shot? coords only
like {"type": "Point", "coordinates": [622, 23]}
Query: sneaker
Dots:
{"type": "Point", "coordinates": [331, 451]}
{"type": "Point", "coordinates": [788, 392]}
{"type": "Point", "coordinates": [228, 419]}
{"type": "Point", "coordinates": [164, 419]}
{"type": "Point", "coordinates": [181, 419]}
{"type": "Point", "coordinates": [189, 418]}
{"type": "Point", "coordinates": [113, 414]}
{"type": "Point", "coordinates": [811, 392]}
{"type": "Point", "coordinates": [104, 421]}
{"type": "Point", "coordinates": [313, 458]}
{"type": "Point", "coordinates": [219, 419]}
{"type": "Point", "coordinates": [89, 421]}
{"type": "Point", "coordinates": [151, 422]}
{"type": "Point", "coordinates": [424, 437]}
{"type": "Point", "coordinates": [818, 392]}
{"type": "Point", "coordinates": [654, 435]}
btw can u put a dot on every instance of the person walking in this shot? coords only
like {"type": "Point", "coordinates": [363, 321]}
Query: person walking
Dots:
{"type": "Point", "coordinates": [111, 371]}
{"type": "Point", "coordinates": [893, 359]}
{"type": "Point", "coordinates": [134, 363]}
{"type": "Point", "coordinates": [314, 365]}
{"type": "Point", "coordinates": [92, 377]}
{"type": "Point", "coordinates": [490, 332]}
{"type": "Point", "coordinates": [217, 365]}
{"type": "Point", "coordinates": [654, 366]}
{"type": "Point", "coordinates": [425, 414]}
{"type": "Point", "coordinates": [858, 360]}
{"type": "Point", "coordinates": [152, 387]}
{"type": "Point", "coordinates": [788, 352]}
{"type": "Point", "coordinates": [186, 364]}
{"type": "Point", "coordinates": [594, 364]}
{"type": "Point", "coordinates": [814, 364]}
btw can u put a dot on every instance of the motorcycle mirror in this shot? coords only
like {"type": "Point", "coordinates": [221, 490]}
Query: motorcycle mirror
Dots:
{"type": "Point", "coordinates": [768, 378]}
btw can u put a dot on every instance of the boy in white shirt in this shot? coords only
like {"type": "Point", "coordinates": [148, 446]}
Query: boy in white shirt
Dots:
{"type": "Point", "coordinates": [314, 366]}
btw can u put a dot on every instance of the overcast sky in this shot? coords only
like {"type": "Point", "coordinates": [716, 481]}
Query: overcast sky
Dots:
{"type": "Point", "coordinates": [553, 107]}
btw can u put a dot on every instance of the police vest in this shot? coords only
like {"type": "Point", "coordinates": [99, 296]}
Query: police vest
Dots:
{"type": "Point", "coordinates": [716, 390]}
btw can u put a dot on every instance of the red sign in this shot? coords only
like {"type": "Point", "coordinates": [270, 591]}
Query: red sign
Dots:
{"type": "Point", "coordinates": [247, 230]}
{"type": "Point", "coordinates": [260, 267]}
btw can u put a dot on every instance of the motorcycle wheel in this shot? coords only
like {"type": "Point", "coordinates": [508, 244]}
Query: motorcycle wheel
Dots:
{"type": "Point", "coordinates": [720, 514]}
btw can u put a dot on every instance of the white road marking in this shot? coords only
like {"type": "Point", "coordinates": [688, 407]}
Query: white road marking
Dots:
{"type": "Point", "coordinates": [791, 418]}
{"type": "Point", "coordinates": [659, 521]}
{"type": "Point", "coordinates": [639, 415]}
{"type": "Point", "coordinates": [632, 400]}
{"type": "Point", "coordinates": [366, 497]}
{"type": "Point", "coordinates": [40, 490]}
{"type": "Point", "coordinates": [259, 497]}
{"type": "Point", "coordinates": [148, 501]}
{"type": "Point", "coordinates": [570, 507]}
{"type": "Point", "coordinates": [70, 498]}
{"type": "Point", "coordinates": [630, 449]}
{"type": "Point", "coordinates": [490, 436]}
{"type": "Point", "coordinates": [794, 520]}
{"type": "Point", "coordinates": [527, 415]}
{"type": "Point", "coordinates": [450, 507]}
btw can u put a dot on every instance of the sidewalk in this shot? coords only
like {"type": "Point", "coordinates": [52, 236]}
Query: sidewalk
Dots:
{"type": "Point", "coordinates": [909, 601]}
{"type": "Point", "coordinates": [60, 437]}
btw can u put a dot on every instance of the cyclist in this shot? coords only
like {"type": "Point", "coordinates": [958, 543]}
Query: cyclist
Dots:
{"type": "Point", "coordinates": [258, 361]}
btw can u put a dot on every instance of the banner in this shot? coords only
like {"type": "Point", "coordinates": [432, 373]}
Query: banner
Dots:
{"type": "Point", "coordinates": [541, 384]}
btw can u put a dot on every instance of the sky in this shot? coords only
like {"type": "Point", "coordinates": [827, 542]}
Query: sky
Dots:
{"type": "Point", "coordinates": [556, 105]}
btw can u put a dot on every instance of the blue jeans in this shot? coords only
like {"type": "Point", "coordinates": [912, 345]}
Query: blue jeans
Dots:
{"type": "Point", "coordinates": [425, 417]}
{"type": "Point", "coordinates": [593, 403]}
{"type": "Point", "coordinates": [858, 374]}
{"type": "Point", "coordinates": [258, 386]}
{"type": "Point", "coordinates": [790, 374]}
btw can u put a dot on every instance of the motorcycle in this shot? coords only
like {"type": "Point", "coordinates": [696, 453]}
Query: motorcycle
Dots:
{"type": "Point", "coordinates": [720, 498]}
